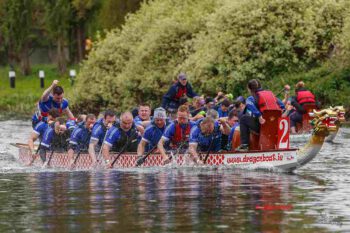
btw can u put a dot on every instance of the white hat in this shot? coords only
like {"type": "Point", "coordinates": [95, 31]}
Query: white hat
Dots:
{"type": "Point", "coordinates": [159, 113]}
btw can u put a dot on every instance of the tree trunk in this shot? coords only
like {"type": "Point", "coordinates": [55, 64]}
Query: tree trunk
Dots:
{"type": "Point", "coordinates": [24, 60]}
{"type": "Point", "coordinates": [61, 56]}
{"type": "Point", "coordinates": [81, 41]}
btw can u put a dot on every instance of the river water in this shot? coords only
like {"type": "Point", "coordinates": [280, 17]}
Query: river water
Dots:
{"type": "Point", "coordinates": [315, 198]}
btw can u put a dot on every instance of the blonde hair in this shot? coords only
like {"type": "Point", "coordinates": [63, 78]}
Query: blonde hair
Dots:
{"type": "Point", "coordinates": [300, 84]}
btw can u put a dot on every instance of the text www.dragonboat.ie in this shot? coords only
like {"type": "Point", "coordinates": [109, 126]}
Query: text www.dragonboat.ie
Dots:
{"type": "Point", "coordinates": [255, 159]}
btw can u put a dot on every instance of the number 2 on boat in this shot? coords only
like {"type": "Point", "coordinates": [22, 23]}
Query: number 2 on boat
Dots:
{"type": "Point", "coordinates": [283, 133]}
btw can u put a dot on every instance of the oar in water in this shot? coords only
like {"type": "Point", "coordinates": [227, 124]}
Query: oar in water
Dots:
{"type": "Point", "coordinates": [75, 160]}
{"type": "Point", "coordinates": [99, 153]}
{"type": "Point", "coordinates": [178, 150]}
{"type": "Point", "coordinates": [207, 155]}
{"type": "Point", "coordinates": [141, 160]}
{"type": "Point", "coordinates": [122, 151]}
{"type": "Point", "coordinates": [47, 162]}
{"type": "Point", "coordinates": [36, 153]}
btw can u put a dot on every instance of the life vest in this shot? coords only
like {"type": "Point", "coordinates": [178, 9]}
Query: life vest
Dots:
{"type": "Point", "coordinates": [267, 101]}
{"type": "Point", "coordinates": [130, 141]}
{"type": "Point", "coordinates": [180, 134]}
{"type": "Point", "coordinates": [305, 96]}
{"type": "Point", "coordinates": [180, 91]}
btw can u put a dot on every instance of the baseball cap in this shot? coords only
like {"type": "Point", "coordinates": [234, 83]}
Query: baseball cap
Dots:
{"type": "Point", "coordinates": [182, 76]}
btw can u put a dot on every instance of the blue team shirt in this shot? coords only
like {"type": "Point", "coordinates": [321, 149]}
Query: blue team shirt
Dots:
{"type": "Point", "coordinates": [232, 132]}
{"type": "Point", "coordinates": [204, 141]}
{"type": "Point", "coordinates": [114, 134]}
{"type": "Point", "coordinates": [170, 130]}
{"type": "Point", "coordinates": [98, 132]}
{"type": "Point", "coordinates": [80, 137]}
{"type": "Point", "coordinates": [47, 137]}
{"type": "Point", "coordinates": [138, 121]}
{"type": "Point", "coordinates": [50, 103]}
{"type": "Point", "coordinates": [152, 136]}
{"type": "Point", "coordinates": [71, 124]}
{"type": "Point", "coordinates": [40, 128]}
{"type": "Point", "coordinates": [222, 113]}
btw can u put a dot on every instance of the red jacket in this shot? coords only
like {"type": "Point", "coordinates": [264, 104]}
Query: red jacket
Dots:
{"type": "Point", "coordinates": [305, 96]}
{"type": "Point", "coordinates": [267, 101]}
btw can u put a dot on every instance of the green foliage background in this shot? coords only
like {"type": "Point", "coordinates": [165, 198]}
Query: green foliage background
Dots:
{"type": "Point", "coordinates": [220, 44]}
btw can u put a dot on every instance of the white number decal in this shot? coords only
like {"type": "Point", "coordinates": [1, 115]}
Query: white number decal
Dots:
{"type": "Point", "coordinates": [283, 143]}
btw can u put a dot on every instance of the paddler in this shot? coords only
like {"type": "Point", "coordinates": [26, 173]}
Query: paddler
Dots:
{"type": "Point", "coordinates": [177, 133]}
{"type": "Point", "coordinates": [121, 137]}
{"type": "Point", "coordinates": [51, 98]}
{"type": "Point", "coordinates": [99, 133]}
{"type": "Point", "coordinates": [259, 101]}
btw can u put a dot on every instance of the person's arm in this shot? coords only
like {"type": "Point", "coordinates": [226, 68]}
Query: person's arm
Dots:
{"type": "Point", "coordinates": [281, 104]}
{"type": "Point", "coordinates": [68, 113]}
{"type": "Point", "coordinates": [141, 129]}
{"type": "Point", "coordinates": [190, 93]}
{"type": "Point", "coordinates": [224, 127]}
{"type": "Point", "coordinates": [141, 147]}
{"type": "Point", "coordinates": [193, 150]}
{"type": "Point", "coordinates": [251, 106]}
{"type": "Point", "coordinates": [161, 149]}
{"type": "Point", "coordinates": [92, 153]}
{"type": "Point", "coordinates": [168, 96]}
{"type": "Point", "coordinates": [70, 155]}
{"type": "Point", "coordinates": [33, 137]}
{"type": "Point", "coordinates": [105, 152]}
{"type": "Point", "coordinates": [46, 94]}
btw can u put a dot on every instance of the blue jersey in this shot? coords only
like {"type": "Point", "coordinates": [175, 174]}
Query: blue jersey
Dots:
{"type": "Point", "coordinates": [222, 113]}
{"type": "Point", "coordinates": [170, 130]}
{"type": "Point", "coordinates": [98, 132]}
{"type": "Point", "coordinates": [206, 142]}
{"type": "Point", "coordinates": [47, 137]}
{"type": "Point", "coordinates": [50, 103]}
{"type": "Point", "coordinates": [114, 135]}
{"type": "Point", "coordinates": [232, 132]}
{"type": "Point", "coordinates": [152, 136]}
{"type": "Point", "coordinates": [138, 121]}
{"type": "Point", "coordinates": [71, 124]}
{"type": "Point", "coordinates": [40, 128]}
{"type": "Point", "coordinates": [80, 138]}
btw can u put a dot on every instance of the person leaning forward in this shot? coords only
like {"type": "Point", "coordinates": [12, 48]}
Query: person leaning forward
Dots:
{"type": "Point", "coordinates": [121, 137]}
{"type": "Point", "coordinates": [206, 137]}
{"type": "Point", "coordinates": [99, 132]}
{"type": "Point", "coordinates": [153, 132]}
{"type": "Point", "coordinates": [177, 133]}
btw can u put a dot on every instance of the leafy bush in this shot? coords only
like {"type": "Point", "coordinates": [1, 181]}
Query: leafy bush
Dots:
{"type": "Point", "coordinates": [220, 44]}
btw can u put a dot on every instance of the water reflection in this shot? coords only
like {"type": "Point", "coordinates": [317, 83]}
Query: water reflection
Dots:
{"type": "Point", "coordinates": [157, 201]}
{"type": "Point", "coordinates": [174, 200]}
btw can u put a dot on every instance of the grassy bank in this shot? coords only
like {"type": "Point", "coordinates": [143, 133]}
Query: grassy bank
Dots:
{"type": "Point", "coordinates": [20, 101]}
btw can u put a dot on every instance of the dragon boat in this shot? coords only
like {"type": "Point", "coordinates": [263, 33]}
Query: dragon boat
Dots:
{"type": "Point", "coordinates": [268, 150]}
{"type": "Point", "coordinates": [304, 130]}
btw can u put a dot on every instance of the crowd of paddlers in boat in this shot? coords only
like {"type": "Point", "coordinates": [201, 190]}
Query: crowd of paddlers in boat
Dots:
{"type": "Point", "coordinates": [206, 125]}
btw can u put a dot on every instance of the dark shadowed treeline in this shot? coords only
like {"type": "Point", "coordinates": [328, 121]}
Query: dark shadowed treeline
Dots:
{"type": "Point", "coordinates": [57, 27]}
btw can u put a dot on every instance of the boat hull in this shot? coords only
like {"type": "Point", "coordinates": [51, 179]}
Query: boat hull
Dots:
{"type": "Point", "coordinates": [283, 159]}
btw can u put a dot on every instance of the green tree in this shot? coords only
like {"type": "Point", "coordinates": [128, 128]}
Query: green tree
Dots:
{"type": "Point", "coordinates": [58, 17]}
{"type": "Point", "coordinates": [17, 31]}
{"type": "Point", "coordinates": [84, 12]}
{"type": "Point", "coordinates": [220, 44]}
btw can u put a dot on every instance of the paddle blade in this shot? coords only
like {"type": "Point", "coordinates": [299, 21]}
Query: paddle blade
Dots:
{"type": "Point", "coordinates": [140, 161]}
